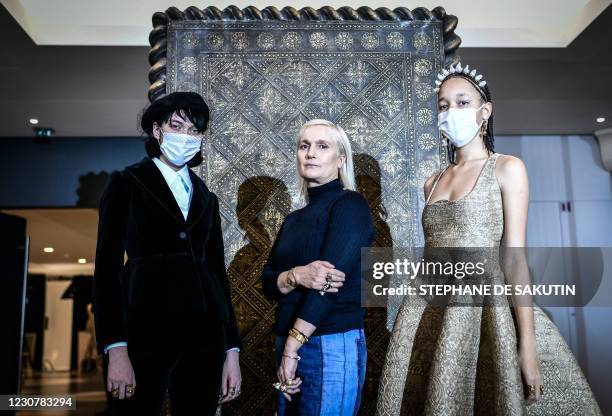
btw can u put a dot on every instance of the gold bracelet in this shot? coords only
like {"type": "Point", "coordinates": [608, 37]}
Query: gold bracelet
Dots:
{"type": "Point", "coordinates": [291, 280]}
{"type": "Point", "coordinates": [302, 339]}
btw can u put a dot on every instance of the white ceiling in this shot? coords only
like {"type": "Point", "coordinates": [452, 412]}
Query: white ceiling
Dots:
{"type": "Point", "coordinates": [484, 23]}
{"type": "Point", "coordinates": [72, 234]}
{"type": "Point", "coordinates": [96, 91]}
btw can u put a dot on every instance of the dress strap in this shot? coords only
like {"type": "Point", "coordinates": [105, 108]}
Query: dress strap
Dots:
{"type": "Point", "coordinates": [495, 156]}
{"type": "Point", "coordinates": [492, 162]}
{"type": "Point", "coordinates": [434, 185]}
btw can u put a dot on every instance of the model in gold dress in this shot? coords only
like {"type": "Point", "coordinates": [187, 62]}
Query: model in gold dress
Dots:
{"type": "Point", "coordinates": [489, 360]}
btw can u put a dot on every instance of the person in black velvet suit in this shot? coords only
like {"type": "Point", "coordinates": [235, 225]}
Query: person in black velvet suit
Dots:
{"type": "Point", "coordinates": [164, 318]}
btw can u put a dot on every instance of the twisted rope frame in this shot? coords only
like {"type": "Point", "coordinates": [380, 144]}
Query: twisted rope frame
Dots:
{"type": "Point", "coordinates": [161, 20]}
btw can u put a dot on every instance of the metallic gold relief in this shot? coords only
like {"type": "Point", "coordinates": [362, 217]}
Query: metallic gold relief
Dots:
{"type": "Point", "coordinates": [395, 40]}
{"type": "Point", "coordinates": [291, 40]}
{"type": "Point", "coordinates": [318, 40]}
{"type": "Point", "coordinates": [370, 40]}
{"type": "Point", "coordinates": [266, 40]}
{"type": "Point", "coordinates": [263, 80]}
{"type": "Point", "coordinates": [427, 142]}
{"type": "Point", "coordinates": [215, 41]}
{"type": "Point", "coordinates": [344, 41]}
{"type": "Point", "coordinates": [423, 67]}
{"type": "Point", "coordinates": [189, 65]}
{"type": "Point", "coordinates": [190, 40]}
{"type": "Point", "coordinates": [425, 117]}
{"type": "Point", "coordinates": [421, 41]}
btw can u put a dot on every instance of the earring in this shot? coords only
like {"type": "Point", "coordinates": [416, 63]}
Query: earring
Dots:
{"type": "Point", "coordinates": [485, 125]}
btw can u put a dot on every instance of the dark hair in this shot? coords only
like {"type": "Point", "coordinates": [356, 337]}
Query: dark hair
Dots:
{"type": "Point", "coordinates": [485, 95]}
{"type": "Point", "coordinates": [199, 120]}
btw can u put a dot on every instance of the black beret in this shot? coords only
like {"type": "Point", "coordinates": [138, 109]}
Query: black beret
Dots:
{"type": "Point", "coordinates": [169, 104]}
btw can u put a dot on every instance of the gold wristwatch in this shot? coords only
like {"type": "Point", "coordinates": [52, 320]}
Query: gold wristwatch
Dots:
{"type": "Point", "coordinates": [302, 339]}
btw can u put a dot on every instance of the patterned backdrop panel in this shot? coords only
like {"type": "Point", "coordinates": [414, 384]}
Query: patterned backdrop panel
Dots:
{"type": "Point", "coordinates": [263, 80]}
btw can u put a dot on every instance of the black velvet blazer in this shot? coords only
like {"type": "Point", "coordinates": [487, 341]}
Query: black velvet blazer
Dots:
{"type": "Point", "coordinates": [173, 288]}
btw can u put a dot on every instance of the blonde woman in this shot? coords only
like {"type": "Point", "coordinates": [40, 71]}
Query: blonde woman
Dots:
{"type": "Point", "coordinates": [314, 273]}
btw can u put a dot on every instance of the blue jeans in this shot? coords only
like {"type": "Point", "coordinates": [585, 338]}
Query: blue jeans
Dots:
{"type": "Point", "coordinates": [332, 369]}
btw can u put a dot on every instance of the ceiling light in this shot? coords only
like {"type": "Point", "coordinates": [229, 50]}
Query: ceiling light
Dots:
{"type": "Point", "coordinates": [82, 261]}
{"type": "Point", "coordinates": [48, 249]}
{"type": "Point", "coordinates": [33, 121]}
{"type": "Point", "coordinates": [601, 119]}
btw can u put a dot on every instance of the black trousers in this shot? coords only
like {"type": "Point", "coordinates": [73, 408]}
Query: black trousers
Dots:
{"type": "Point", "coordinates": [188, 368]}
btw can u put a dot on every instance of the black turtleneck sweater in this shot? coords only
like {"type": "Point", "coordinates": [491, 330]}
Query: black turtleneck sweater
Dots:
{"type": "Point", "coordinates": [334, 226]}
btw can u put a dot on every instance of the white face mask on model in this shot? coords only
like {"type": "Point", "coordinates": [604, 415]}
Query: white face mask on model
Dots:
{"type": "Point", "coordinates": [179, 148]}
{"type": "Point", "coordinates": [459, 124]}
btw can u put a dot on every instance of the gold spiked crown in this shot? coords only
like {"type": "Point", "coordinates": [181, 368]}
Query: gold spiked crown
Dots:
{"type": "Point", "coordinates": [458, 69]}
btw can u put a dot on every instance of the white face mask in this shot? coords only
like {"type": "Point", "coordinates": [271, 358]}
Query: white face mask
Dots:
{"type": "Point", "coordinates": [459, 124]}
{"type": "Point", "coordinates": [179, 148]}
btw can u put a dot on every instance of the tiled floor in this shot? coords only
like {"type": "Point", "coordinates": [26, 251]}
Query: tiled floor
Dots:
{"type": "Point", "coordinates": [86, 389]}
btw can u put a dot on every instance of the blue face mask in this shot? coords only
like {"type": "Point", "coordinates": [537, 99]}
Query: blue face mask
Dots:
{"type": "Point", "coordinates": [459, 125]}
{"type": "Point", "coordinates": [179, 148]}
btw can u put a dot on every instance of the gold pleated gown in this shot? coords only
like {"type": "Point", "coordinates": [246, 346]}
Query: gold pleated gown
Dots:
{"type": "Point", "coordinates": [464, 360]}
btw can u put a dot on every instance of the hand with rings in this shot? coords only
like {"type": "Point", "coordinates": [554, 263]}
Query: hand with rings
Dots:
{"type": "Point", "coordinates": [121, 381]}
{"type": "Point", "coordinates": [289, 387]}
{"type": "Point", "coordinates": [531, 372]}
{"type": "Point", "coordinates": [234, 392]}
{"type": "Point", "coordinates": [288, 383]}
{"type": "Point", "coordinates": [329, 283]}
{"type": "Point", "coordinates": [231, 378]}
{"type": "Point", "coordinates": [534, 392]}
{"type": "Point", "coordinates": [319, 275]}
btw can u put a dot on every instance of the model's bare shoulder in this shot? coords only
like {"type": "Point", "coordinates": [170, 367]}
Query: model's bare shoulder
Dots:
{"type": "Point", "coordinates": [510, 169]}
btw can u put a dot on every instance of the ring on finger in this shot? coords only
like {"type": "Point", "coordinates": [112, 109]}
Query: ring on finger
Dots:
{"type": "Point", "coordinates": [328, 277]}
{"type": "Point", "coordinates": [115, 392]}
{"type": "Point", "coordinates": [279, 386]}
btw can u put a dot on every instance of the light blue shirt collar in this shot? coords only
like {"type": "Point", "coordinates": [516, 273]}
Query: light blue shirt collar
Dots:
{"type": "Point", "coordinates": [170, 174]}
{"type": "Point", "coordinates": [179, 183]}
